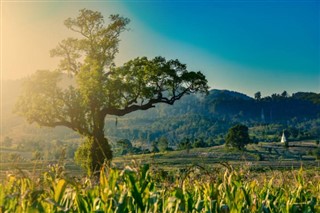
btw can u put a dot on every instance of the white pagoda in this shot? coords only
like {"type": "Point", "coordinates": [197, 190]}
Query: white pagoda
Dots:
{"type": "Point", "coordinates": [283, 138]}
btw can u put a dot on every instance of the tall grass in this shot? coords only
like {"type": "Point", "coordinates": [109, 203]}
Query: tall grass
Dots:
{"type": "Point", "coordinates": [145, 189]}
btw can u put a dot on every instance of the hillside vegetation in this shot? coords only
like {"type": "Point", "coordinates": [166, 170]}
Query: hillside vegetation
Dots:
{"type": "Point", "coordinates": [194, 117]}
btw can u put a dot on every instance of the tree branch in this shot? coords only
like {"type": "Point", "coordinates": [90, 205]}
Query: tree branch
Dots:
{"type": "Point", "coordinates": [67, 124]}
{"type": "Point", "coordinates": [150, 104]}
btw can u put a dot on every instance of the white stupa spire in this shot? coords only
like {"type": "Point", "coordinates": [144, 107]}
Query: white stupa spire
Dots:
{"type": "Point", "coordinates": [283, 138]}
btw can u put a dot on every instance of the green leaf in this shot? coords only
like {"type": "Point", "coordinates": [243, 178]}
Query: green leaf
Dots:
{"type": "Point", "coordinates": [59, 190]}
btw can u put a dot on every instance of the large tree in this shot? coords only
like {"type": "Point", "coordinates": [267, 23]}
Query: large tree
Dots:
{"type": "Point", "coordinates": [237, 136]}
{"type": "Point", "coordinates": [100, 87]}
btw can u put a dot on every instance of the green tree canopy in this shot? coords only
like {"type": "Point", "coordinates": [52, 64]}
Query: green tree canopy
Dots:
{"type": "Point", "coordinates": [257, 96]}
{"type": "Point", "coordinates": [238, 136]}
{"type": "Point", "coordinates": [163, 144]}
{"type": "Point", "coordinates": [100, 87]}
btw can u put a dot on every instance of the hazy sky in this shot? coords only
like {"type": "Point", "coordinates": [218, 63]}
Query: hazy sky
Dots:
{"type": "Point", "coordinates": [247, 46]}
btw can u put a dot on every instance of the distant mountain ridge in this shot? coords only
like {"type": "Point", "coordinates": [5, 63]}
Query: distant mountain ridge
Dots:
{"type": "Point", "coordinates": [193, 116]}
{"type": "Point", "coordinates": [227, 95]}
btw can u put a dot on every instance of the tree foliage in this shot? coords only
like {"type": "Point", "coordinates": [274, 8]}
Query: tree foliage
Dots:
{"type": "Point", "coordinates": [238, 136]}
{"type": "Point", "coordinates": [163, 144]}
{"type": "Point", "coordinates": [257, 96]}
{"type": "Point", "coordinates": [100, 87]}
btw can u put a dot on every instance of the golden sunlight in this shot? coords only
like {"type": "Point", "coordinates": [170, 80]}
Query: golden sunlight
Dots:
{"type": "Point", "coordinates": [27, 37]}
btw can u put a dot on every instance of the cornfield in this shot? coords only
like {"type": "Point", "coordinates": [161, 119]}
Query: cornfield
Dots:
{"type": "Point", "coordinates": [141, 188]}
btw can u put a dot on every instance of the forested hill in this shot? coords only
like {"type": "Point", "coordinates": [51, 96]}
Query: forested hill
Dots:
{"type": "Point", "coordinates": [239, 107]}
{"type": "Point", "coordinates": [209, 117]}
{"type": "Point", "coordinates": [194, 116]}
{"type": "Point", "coordinates": [275, 108]}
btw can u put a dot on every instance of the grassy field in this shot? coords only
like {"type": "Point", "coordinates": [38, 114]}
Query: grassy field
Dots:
{"type": "Point", "coordinates": [273, 155]}
{"type": "Point", "coordinates": [262, 156]}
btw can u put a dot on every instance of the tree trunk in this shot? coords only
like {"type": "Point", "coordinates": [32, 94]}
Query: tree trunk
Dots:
{"type": "Point", "coordinates": [100, 150]}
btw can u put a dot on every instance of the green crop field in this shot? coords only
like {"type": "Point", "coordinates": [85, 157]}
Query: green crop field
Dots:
{"type": "Point", "coordinates": [148, 189]}
{"type": "Point", "coordinates": [264, 178]}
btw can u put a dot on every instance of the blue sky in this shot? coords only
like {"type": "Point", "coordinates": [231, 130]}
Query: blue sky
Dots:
{"type": "Point", "coordinates": [247, 46]}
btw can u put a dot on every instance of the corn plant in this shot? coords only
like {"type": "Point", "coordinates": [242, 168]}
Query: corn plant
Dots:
{"type": "Point", "coordinates": [139, 188]}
